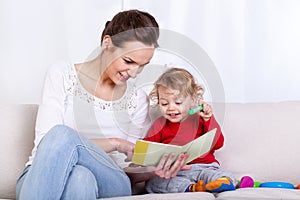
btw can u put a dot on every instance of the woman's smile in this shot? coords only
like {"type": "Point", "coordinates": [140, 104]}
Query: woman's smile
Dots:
{"type": "Point", "coordinates": [124, 76]}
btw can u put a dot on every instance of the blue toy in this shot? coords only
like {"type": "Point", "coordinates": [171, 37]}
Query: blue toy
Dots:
{"type": "Point", "coordinates": [277, 185]}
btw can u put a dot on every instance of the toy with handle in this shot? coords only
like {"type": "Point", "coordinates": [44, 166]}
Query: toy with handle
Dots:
{"type": "Point", "coordinates": [199, 108]}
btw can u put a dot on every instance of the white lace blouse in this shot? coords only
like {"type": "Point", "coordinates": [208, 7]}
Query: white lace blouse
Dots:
{"type": "Point", "coordinates": [65, 101]}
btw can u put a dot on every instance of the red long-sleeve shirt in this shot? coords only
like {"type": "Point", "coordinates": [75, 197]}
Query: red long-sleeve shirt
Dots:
{"type": "Point", "coordinates": [194, 126]}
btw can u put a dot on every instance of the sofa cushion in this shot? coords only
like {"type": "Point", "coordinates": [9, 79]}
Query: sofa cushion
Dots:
{"type": "Point", "coordinates": [17, 124]}
{"type": "Point", "coordinates": [260, 193]}
{"type": "Point", "coordinates": [262, 141]}
{"type": "Point", "coordinates": [173, 196]}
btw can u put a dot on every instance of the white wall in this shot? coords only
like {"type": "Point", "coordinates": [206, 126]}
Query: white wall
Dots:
{"type": "Point", "coordinates": [254, 44]}
{"type": "Point", "coordinates": [37, 33]}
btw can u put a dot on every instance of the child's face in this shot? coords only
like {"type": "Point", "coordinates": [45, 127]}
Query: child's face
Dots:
{"type": "Point", "coordinates": [173, 107]}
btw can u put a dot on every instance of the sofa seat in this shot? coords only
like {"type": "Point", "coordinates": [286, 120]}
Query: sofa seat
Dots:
{"type": "Point", "coordinates": [169, 196]}
{"type": "Point", "coordinates": [239, 194]}
{"type": "Point", "coordinates": [261, 141]}
{"type": "Point", "coordinates": [260, 194]}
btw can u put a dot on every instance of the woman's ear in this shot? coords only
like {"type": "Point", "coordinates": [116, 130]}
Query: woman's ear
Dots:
{"type": "Point", "coordinates": [106, 42]}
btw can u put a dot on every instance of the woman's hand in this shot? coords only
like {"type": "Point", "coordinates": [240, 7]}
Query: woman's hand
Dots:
{"type": "Point", "coordinates": [165, 168]}
{"type": "Point", "coordinates": [206, 113]}
{"type": "Point", "coordinates": [116, 144]}
{"type": "Point", "coordinates": [124, 146]}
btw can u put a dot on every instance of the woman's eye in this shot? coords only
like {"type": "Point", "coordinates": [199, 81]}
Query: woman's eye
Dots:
{"type": "Point", "coordinates": [128, 61]}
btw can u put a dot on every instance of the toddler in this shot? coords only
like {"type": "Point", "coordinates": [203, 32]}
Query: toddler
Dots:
{"type": "Point", "coordinates": [176, 92]}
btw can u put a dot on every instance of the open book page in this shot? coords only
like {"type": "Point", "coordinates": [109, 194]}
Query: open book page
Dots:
{"type": "Point", "coordinates": [149, 153]}
{"type": "Point", "coordinates": [199, 146]}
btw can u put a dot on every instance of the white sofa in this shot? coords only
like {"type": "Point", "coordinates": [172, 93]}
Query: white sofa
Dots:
{"type": "Point", "coordinates": [262, 141]}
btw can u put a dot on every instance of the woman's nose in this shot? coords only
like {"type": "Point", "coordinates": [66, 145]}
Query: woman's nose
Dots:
{"type": "Point", "coordinates": [133, 71]}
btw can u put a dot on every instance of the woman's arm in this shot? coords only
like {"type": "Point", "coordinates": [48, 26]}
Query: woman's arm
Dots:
{"type": "Point", "coordinates": [139, 174]}
{"type": "Point", "coordinates": [136, 173]}
{"type": "Point", "coordinates": [51, 109]}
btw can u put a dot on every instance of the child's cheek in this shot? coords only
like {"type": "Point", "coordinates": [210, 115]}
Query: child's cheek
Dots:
{"type": "Point", "coordinates": [162, 109]}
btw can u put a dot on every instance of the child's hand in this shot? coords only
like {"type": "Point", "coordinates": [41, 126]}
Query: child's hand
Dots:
{"type": "Point", "coordinates": [206, 113]}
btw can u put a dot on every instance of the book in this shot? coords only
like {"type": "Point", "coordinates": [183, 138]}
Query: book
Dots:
{"type": "Point", "coordinates": [149, 153]}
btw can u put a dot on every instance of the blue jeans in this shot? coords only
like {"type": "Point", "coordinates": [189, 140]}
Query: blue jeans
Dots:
{"type": "Point", "coordinates": [69, 166]}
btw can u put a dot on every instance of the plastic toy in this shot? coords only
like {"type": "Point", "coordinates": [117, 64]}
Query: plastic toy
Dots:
{"type": "Point", "coordinates": [256, 184]}
{"type": "Point", "coordinates": [195, 110]}
{"type": "Point", "coordinates": [247, 181]}
{"type": "Point", "coordinates": [277, 185]}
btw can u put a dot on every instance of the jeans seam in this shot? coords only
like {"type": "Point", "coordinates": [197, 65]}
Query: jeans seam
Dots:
{"type": "Point", "coordinates": [66, 169]}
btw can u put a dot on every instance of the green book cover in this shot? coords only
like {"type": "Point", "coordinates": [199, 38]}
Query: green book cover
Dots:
{"type": "Point", "coordinates": [149, 153]}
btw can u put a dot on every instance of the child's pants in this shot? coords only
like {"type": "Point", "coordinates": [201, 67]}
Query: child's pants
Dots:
{"type": "Point", "coordinates": [205, 172]}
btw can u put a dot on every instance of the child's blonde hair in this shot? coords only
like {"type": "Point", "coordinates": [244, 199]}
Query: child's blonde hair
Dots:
{"type": "Point", "coordinates": [177, 79]}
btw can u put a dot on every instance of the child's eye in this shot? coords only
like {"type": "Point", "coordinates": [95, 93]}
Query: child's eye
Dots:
{"type": "Point", "coordinates": [163, 104]}
{"type": "Point", "coordinates": [178, 103]}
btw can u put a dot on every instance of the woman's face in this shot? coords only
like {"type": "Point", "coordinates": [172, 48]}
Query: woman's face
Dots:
{"type": "Point", "coordinates": [128, 61]}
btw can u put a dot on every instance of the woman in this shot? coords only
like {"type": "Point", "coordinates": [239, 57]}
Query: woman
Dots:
{"type": "Point", "coordinates": [90, 117]}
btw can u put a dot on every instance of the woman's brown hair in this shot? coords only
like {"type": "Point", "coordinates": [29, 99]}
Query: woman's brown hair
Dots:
{"type": "Point", "coordinates": [132, 25]}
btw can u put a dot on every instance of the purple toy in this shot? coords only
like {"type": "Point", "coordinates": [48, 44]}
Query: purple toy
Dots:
{"type": "Point", "coordinates": [246, 181]}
